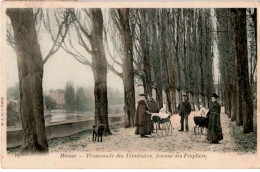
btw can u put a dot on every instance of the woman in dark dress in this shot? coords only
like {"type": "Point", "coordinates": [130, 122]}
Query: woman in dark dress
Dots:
{"type": "Point", "coordinates": [142, 118]}
{"type": "Point", "coordinates": [214, 127]}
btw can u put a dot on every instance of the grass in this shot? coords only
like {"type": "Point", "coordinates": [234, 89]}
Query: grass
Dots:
{"type": "Point", "coordinates": [248, 142]}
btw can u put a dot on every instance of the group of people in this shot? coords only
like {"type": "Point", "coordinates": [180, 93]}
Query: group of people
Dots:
{"type": "Point", "coordinates": [145, 108]}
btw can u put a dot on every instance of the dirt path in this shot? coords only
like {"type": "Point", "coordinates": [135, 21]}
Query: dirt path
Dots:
{"type": "Point", "coordinates": [125, 140]}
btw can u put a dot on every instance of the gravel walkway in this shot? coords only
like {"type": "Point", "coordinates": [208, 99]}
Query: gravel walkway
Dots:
{"type": "Point", "coordinates": [124, 139]}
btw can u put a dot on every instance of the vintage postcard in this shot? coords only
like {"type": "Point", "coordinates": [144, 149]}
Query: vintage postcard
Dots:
{"type": "Point", "coordinates": [129, 85]}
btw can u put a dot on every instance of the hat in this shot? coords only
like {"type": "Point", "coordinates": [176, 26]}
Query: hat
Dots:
{"type": "Point", "coordinates": [214, 95]}
{"type": "Point", "coordinates": [142, 95]}
{"type": "Point", "coordinates": [184, 95]}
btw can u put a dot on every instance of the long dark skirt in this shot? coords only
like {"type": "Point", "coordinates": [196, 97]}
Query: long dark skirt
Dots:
{"type": "Point", "coordinates": [214, 128]}
{"type": "Point", "coordinates": [146, 129]}
{"type": "Point", "coordinates": [214, 136]}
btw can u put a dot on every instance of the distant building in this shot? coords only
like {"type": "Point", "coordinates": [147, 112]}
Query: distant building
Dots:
{"type": "Point", "coordinates": [58, 97]}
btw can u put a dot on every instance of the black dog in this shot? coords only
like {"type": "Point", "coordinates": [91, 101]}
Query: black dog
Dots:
{"type": "Point", "coordinates": [97, 132]}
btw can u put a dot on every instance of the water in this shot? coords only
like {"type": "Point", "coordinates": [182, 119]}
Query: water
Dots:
{"type": "Point", "coordinates": [57, 116]}
{"type": "Point", "coordinates": [61, 116]}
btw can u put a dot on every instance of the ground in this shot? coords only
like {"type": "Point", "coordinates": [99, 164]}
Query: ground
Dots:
{"type": "Point", "coordinates": [124, 139]}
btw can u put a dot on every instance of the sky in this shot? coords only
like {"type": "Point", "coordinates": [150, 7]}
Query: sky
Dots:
{"type": "Point", "coordinates": [62, 68]}
{"type": "Point", "coordinates": [59, 69]}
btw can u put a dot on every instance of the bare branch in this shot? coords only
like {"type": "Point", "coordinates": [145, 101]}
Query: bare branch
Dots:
{"type": "Point", "coordinates": [86, 12]}
{"type": "Point", "coordinates": [114, 17]}
{"type": "Point", "coordinates": [79, 58]}
{"type": "Point", "coordinates": [80, 25]}
{"type": "Point", "coordinates": [72, 46]}
{"type": "Point", "coordinates": [82, 42]}
{"type": "Point", "coordinates": [109, 53]}
{"type": "Point", "coordinates": [120, 74]}
{"type": "Point", "coordinates": [56, 45]}
{"type": "Point", "coordinates": [47, 24]}
{"type": "Point", "coordinates": [9, 36]}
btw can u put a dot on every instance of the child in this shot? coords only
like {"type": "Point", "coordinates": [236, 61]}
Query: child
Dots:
{"type": "Point", "coordinates": [203, 111]}
{"type": "Point", "coordinates": [162, 113]}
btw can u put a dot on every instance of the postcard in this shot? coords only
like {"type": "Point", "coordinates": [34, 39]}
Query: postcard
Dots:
{"type": "Point", "coordinates": [116, 85]}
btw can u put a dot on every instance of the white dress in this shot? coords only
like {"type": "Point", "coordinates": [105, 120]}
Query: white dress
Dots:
{"type": "Point", "coordinates": [203, 112]}
{"type": "Point", "coordinates": [162, 113]}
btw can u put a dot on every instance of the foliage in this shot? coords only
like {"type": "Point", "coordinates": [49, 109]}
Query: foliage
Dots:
{"type": "Point", "coordinates": [248, 142]}
{"type": "Point", "coordinates": [13, 93]}
{"type": "Point", "coordinates": [70, 96]}
{"type": "Point", "coordinates": [49, 102]}
{"type": "Point", "coordinates": [114, 97]}
{"type": "Point", "coordinates": [80, 100]}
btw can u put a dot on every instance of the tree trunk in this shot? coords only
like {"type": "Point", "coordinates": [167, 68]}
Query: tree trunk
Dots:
{"type": "Point", "coordinates": [192, 102]}
{"type": "Point", "coordinates": [144, 84]}
{"type": "Point", "coordinates": [177, 68]}
{"type": "Point", "coordinates": [254, 18]}
{"type": "Point", "coordinates": [208, 99]}
{"type": "Point", "coordinates": [233, 106]}
{"type": "Point", "coordinates": [147, 71]}
{"type": "Point", "coordinates": [170, 66]}
{"type": "Point", "coordinates": [164, 62]}
{"type": "Point", "coordinates": [99, 69]}
{"type": "Point", "coordinates": [224, 100]}
{"type": "Point", "coordinates": [203, 100]}
{"type": "Point", "coordinates": [128, 68]}
{"type": "Point", "coordinates": [198, 101]}
{"type": "Point", "coordinates": [159, 98]}
{"type": "Point", "coordinates": [233, 101]}
{"type": "Point", "coordinates": [170, 81]}
{"type": "Point", "coordinates": [201, 64]}
{"type": "Point", "coordinates": [179, 96]}
{"type": "Point", "coordinates": [228, 102]}
{"type": "Point", "coordinates": [223, 97]}
{"type": "Point", "coordinates": [30, 69]}
{"type": "Point", "coordinates": [242, 61]}
{"type": "Point", "coordinates": [168, 98]}
{"type": "Point", "coordinates": [145, 50]}
{"type": "Point", "coordinates": [229, 105]}
{"type": "Point", "coordinates": [239, 116]}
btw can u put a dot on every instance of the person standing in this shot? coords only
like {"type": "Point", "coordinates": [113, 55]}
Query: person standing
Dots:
{"type": "Point", "coordinates": [214, 127]}
{"type": "Point", "coordinates": [142, 118]}
{"type": "Point", "coordinates": [184, 110]}
{"type": "Point", "coordinates": [152, 107]}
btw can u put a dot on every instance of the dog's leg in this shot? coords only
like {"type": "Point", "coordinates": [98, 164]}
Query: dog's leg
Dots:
{"type": "Point", "coordinates": [93, 136]}
{"type": "Point", "coordinates": [101, 136]}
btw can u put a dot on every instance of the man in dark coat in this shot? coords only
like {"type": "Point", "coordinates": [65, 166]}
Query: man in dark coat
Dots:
{"type": "Point", "coordinates": [214, 127]}
{"type": "Point", "coordinates": [184, 110]}
{"type": "Point", "coordinates": [152, 105]}
{"type": "Point", "coordinates": [142, 118]}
